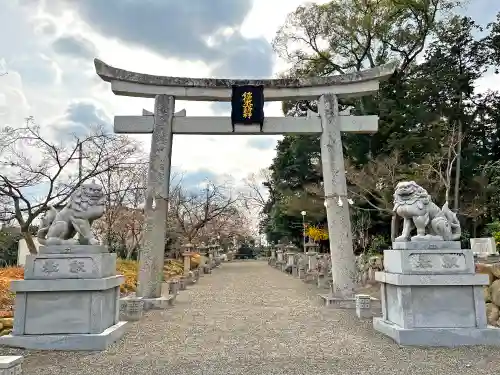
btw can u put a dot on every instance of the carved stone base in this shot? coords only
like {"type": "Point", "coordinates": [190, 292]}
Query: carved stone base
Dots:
{"type": "Point", "coordinates": [90, 342]}
{"type": "Point", "coordinates": [443, 261]}
{"type": "Point", "coordinates": [71, 296]}
{"type": "Point", "coordinates": [438, 337]}
{"type": "Point", "coordinates": [432, 298]}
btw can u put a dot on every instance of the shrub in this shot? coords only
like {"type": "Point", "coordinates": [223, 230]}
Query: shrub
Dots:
{"type": "Point", "coordinates": [129, 269]}
{"type": "Point", "coordinates": [6, 296]}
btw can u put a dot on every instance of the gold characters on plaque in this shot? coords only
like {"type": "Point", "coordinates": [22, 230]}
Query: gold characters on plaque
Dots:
{"type": "Point", "coordinates": [247, 105]}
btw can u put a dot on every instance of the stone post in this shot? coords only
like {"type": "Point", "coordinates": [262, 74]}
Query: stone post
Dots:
{"type": "Point", "coordinates": [301, 272]}
{"type": "Point", "coordinates": [187, 263]}
{"type": "Point", "coordinates": [211, 257]}
{"type": "Point", "coordinates": [152, 252]}
{"type": "Point", "coordinates": [131, 308]}
{"type": "Point", "coordinates": [173, 287]}
{"type": "Point", "coordinates": [339, 222]}
{"type": "Point", "coordinates": [11, 365]}
{"type": "Point", "coordinates": [203, 265]}
{"type": "Point", "coordinates": [363, 306]}
{"type": "Point", "coordinates": [312, 261]}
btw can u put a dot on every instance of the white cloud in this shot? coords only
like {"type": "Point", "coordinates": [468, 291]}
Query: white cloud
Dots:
{"type": "Point", "coordinates": [14, 106]}
{"type": "Point", "coordinates": [64, 78]}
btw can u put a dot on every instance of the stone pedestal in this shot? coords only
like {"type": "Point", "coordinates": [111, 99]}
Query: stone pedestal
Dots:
{"type": "Point", "coordinates": [431, 296]}
{"type": "Point", "coordinates": [11, 365]}
{"type": "Point", "coordinates": [68, 300]}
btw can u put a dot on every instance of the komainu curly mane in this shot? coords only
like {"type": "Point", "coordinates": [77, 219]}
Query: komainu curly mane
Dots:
{"type": "Point", "coordinates": [414, 204]}
{"type": "Point", "coordinates": [85, 205]}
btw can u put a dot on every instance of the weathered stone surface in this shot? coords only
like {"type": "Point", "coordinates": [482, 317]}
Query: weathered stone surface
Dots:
{"type": "Point", "coordinates": [429, 261]}
{"type": "Point", "coordinates": [486, 270]}
{"type": "Point", "coordinates": [152, 252]}
{"type": "Point", "coordinates": [414, 204]}
{"type": "Point", "coordinates": [426, 245]}
{"type": "Point", "coordinates": [484, 245]}
{"type": "Point", "coordinates": [363, 306]}
{"type": "Point", "coordinates": [495, 292]}
{"type": "Point", "coordinates": [487, 294]}
{"type": "Point", "coordinates": [131, 308]}
{"type": "Point", "coordinates": [335, 185]}
{"type": "Point", "coordinates": [495, 270]}
{"type": "Point", "coordinates": [492, 313]}
{"type": "Point", "coordinates": [67, 300]}
{"type": "Point", "coordinates": [436, 309]}
{"type": "Point", "coordinates": [57, 228]}
{"type": "Point", "coordinates": [109, 73]}
{"type": "Point", "coordinates": [11, 365]}
{"type": "Point", "coordinates": [88, 342]}
{"type": "Point", "coordinates": [73, 249]}
{"type": "Point", "coordinates": [70, 266]}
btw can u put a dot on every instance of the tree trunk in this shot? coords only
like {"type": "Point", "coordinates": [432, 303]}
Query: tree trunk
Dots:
{"type": "Point", "coordinates": [458, 164]}
{"type": "Point", "coordinates": [29, 241]}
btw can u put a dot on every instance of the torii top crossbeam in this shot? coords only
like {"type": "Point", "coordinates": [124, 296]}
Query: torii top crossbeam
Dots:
{"type": "Point", "coordinates": [124, 82]}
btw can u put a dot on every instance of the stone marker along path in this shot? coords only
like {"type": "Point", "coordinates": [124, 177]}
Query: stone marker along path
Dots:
{"type": "Point", "coordinates": [247, 318]}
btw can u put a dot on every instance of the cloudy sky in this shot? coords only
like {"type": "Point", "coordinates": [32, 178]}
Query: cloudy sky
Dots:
{"type": "Point", "coordinates": [47, 47]}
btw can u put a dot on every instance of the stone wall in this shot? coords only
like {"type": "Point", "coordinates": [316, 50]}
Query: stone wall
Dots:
{"type": "Point", "coordinates": [491, 292]}
{"type": "Point", "coordinates": [6, 326]}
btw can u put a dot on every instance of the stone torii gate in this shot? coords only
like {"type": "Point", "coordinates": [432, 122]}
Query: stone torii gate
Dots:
{"type": "Point", "coordinates": [164, 123]}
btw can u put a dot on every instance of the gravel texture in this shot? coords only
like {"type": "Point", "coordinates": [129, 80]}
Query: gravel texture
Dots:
{"type": "Point", "coordinates": [248, 318]}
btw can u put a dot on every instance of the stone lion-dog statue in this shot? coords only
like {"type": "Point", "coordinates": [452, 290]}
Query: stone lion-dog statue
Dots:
{"type": "Point", "coordinates": [85, 205]}
{"type": "Point", "coordinates": [415, 206]}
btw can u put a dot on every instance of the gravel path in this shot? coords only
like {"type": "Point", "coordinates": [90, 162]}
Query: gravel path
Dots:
{"type": "Point", "coordinates": [247, 318]}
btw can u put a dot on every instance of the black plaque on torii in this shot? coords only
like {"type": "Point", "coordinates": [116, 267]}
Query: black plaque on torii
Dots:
{"type": "Point", "coordinates": [247, 105]}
